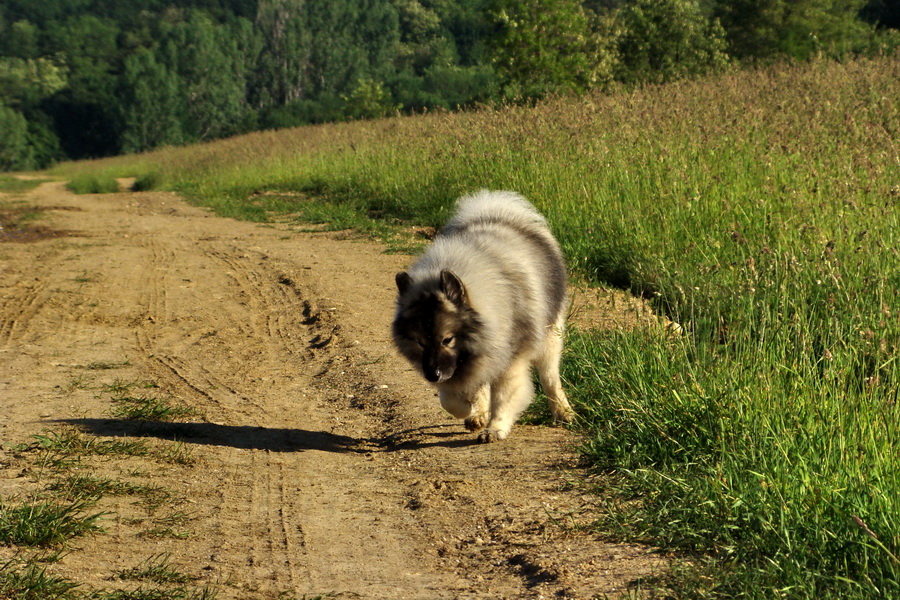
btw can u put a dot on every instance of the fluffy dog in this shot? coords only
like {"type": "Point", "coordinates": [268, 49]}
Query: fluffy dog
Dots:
{"type": "Point", "coordinates": [482, 306]}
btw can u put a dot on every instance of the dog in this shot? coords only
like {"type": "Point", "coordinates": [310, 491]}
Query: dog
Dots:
{"type": "Point", "coordinates": [483, 305]}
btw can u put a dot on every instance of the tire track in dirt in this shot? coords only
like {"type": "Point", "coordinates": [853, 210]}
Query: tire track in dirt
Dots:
{"type": "Point", "coordinates": [20, 305]}
{"type": "Point", "coordinates": [203, 374]}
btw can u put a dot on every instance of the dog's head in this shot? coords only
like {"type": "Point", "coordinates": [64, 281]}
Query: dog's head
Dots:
{"type": "Point", "coordinates": [435, 326]}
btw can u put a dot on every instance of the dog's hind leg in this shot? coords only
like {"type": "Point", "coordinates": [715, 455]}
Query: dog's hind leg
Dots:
{"type": "Point", "coordinates": [548, 370]}
{"type": "Point", "coordinates": [510, 396]}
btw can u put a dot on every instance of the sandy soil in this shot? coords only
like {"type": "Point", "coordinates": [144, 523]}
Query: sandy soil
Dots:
{"type": "Point", "coordinates": [322, 464]}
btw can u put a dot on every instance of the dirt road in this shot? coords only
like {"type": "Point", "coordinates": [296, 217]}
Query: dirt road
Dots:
{"type": "Point", "coordinates": [321, 464]}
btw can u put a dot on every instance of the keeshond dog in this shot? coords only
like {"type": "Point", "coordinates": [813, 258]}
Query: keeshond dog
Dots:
{"type": "Point", "coordinates": [482, 306]}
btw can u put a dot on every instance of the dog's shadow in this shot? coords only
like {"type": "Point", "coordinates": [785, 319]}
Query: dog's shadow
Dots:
{"type": "Point", "coordinates": [249, 437]}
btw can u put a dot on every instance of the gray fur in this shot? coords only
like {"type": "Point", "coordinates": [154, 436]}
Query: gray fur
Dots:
{"type": "Point", "coordinates": [482, 306]}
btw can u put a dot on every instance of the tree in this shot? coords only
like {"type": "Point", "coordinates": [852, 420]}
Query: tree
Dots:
{"type": "Point", "coordinates": [151, 104]}
{"type": "Point", "coordinates": [208, 61]}
{"type": "Point", "coordinates": [352, 40]}
{"type": "Point", "coordinates": [86, 111]}
{"type": "Point", "coordinates": [796, 28]}
{"type": "Point", "coordinates": [545, 46]}
{"type": "Point", "coordinates": [14, 150]}
{"type": "Point", "coordinates": [663, 40]}
{"type": "Point", "coordinates": [283, 64]}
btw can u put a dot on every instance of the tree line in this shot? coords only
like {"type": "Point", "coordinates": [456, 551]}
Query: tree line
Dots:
{"type": "Point", "coordinates": [90, 78]}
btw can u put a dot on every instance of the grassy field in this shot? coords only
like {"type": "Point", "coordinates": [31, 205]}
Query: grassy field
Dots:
{"type": "Point", "coordinates": [759, 209]}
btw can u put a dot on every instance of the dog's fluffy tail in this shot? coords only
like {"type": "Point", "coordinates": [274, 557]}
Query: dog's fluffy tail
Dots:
{"type": "Point", "coordinates": [502, 206]}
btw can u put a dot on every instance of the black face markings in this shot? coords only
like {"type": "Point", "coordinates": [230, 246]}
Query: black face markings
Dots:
{"type": "Point", "coordinates": [433, 332]}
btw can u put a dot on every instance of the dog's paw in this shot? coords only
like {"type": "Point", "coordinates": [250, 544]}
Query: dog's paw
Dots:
{"type": "Point", "coordinates": [475, 423]}
{"type": "Point", "coordinates": [565, 415]}
{"type": "Point", "coordinates": [492, 435]}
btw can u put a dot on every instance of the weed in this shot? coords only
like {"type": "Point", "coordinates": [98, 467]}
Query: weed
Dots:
{"type": "Point", "coordinates": [33, 583]}
{"type": "Point", "coordinates": [70, 442]}
{"type": "Point", "coordinates": [148, 408]}
{"type": "Point", "coordinates": [88, 487]}
{"type": "Point", "coordinates": [147, 182]}
{"type": "Point", "coordinates": [45, 523]}
{"type": "Point", "coordinates": [79, 382]}
{"type": "Point", "coordinates": [93, 184]}
{"type": "Point", "coordinates": [178, 454]}
{"type": "Point", "coordinates": [155, 569]}
{"type": "Point", "coordinates": [159, 593]}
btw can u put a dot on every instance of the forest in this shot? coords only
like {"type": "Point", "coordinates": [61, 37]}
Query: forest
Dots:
{"type": "Point", "coordinates": [92, 78]}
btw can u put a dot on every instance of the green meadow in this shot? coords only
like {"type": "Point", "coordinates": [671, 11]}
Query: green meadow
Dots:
{"type": "Point", "coordinates": [759, 209]}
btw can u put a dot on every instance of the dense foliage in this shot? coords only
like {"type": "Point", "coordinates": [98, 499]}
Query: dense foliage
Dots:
{"type": "Point", "coordinates": [94, 77]}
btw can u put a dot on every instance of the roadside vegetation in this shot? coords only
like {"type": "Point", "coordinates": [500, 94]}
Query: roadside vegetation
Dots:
{"type": "Point", "coordinates": [10, 184]}
{"type": "Point", "coordinates": [758, 209]}
{"type": "Point", "coordinates": [93, 184]}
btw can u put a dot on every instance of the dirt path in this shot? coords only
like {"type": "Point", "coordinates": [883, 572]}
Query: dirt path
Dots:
{"type": "Point", "coordinates": [322, 464]}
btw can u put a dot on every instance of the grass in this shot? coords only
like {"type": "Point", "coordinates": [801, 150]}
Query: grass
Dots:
{"type": "Point", "coordinates": [65, 491]}
{"type": "Point", "coordinates": [10, 184]}
{"type": "Point", "coordinates": [155, 569]}
{"type": "Point", "coordinates": [149, 408]}
{"type": "Point", "coordinates": [16, 216]}
{"type": "Point", "coordinates": [45, 523]}
{"type": "Point", "coordinates": [93, 184]}
{"type": "Point", "coordinates": [159, 581]}
{"type": "Point", "coordinates": [33, 583]}
{"type": "Point", "coordinates": [760, 209]}
{"type": "Point", "coordinates": [61, 510]}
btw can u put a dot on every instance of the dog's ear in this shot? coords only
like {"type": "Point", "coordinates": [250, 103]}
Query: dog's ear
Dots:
{"type": "Point", "coordinates": [453, 287]}
{"type": "Point", "coordinates": [403, 281]}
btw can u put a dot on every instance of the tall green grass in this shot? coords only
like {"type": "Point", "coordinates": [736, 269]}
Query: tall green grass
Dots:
{"type": "Point", "coordinates": [760, 209]}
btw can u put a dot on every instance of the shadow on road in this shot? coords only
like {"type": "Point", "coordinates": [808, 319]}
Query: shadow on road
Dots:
{"type": "Point", "coordinates": [272, 439]}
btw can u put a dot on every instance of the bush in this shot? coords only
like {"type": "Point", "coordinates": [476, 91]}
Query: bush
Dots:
{"type": "Point", "coordinates": [147, 181]}
{"type": "Point", "coordinates": [93, 184]}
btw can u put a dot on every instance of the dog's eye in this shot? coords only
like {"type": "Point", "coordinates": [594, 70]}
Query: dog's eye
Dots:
{"type": "Point", "coordinates": [448, 341]}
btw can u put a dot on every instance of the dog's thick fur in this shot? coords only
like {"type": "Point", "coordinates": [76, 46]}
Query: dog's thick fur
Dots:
{"type": "Point", "coordinates": [484, 305]}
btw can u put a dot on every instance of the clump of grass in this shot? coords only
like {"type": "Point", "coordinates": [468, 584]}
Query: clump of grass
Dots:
{"type": "Point", "coordinates": [160, 593]}
{"type": "Point", "coordinates": [75, 486]}
{"type": "Point", "coordinates": [178, 454]}
{"type": "Point", "coordinates": [120, 387]}
{"type": "Point", "coordinates": [66, 446]}
{"type": "Point", "coordinates": [149, 408]}
{"type": "Point", "coordinates": [45, 523]}
{"type": "Point", "coordinates": [69, 442]}
{"type": "Point", "coordinates": [93, 184]}
{"type": "Point", "coordinates": [147, 182]}
{"type": "Point", "coordinates": [155, 569]}
{"type": "Point", "coordinates": [32, 582]}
